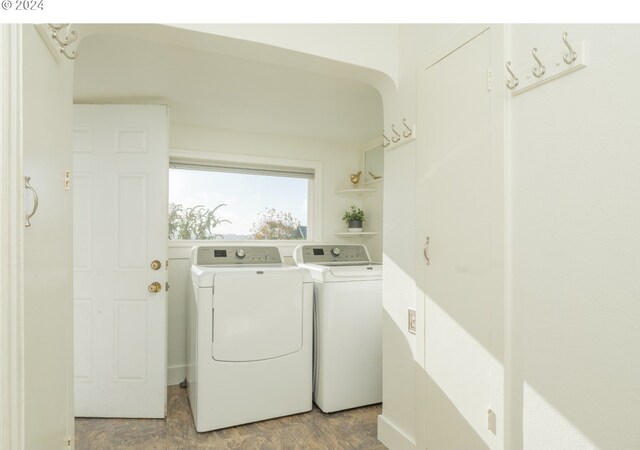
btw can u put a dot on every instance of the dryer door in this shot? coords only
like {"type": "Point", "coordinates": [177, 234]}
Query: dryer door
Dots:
{"type": "Point", "coordinates": [257, 314]}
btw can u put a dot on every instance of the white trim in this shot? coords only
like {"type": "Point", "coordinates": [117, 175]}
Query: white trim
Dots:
{"type": "Point", "coordinates": [12, 432]}
{"type": "Point", "coordinates": [176, 374]}
{"type": "Point", "coordinates": [393, 437]}
{"type": "Point", "coordinates": [510, 363]}
{"type": "Point", "coordinates": [315, 193]}
{"type": "Point", "coordinates": [500, 318]}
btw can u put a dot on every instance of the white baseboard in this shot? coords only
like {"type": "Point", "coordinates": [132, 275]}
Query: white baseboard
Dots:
{"type": "Point", "coordinates": [392, 437]}
{"type": "Point", "coordinates": [176, 374]}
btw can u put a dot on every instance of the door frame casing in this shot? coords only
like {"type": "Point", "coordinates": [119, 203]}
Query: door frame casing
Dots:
{"type": "Point", "coordinates": [12, 429]}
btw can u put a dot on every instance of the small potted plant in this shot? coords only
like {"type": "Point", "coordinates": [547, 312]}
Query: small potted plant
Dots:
{"type": "Point", "coordinates": [354, 217]}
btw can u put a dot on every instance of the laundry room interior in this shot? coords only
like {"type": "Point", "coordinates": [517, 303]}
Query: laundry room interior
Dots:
{"type": "Point", "coordinates": [487, 300]}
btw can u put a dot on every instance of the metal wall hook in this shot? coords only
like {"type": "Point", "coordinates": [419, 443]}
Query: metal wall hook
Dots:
{"type": "Point", "coordinates": [385, 140]}
{"type": "Point", "coordinates": [396, 136]}
{"type": "Point", "coordinates": [64, 36]}
{"type": "Point", "coordinates": [570, 57]}
{"type": "Point", "coordinates": [409, 131]}
{"type": "Point", "coordinates": [541, 69]}
{"type": "Point", "coordinates": [513, 82]}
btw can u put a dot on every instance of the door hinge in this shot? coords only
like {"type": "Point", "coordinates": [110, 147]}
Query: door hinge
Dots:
{"type": "Point", "coordinates": [67, 179]}
{"type": "Point", "coordinates": [166, 286]}
{"type": "Point", "coordinates": [491, 420]}
{"type": "Point", "coordinates": [489, 80]}
{"type": "Point", "coordinates": [411, 325]}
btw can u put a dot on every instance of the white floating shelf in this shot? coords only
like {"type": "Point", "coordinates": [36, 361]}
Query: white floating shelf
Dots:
{"type": "Point", "coordinates": [355, 191]}
{"type": "Point", "coordinates": [356, 233]}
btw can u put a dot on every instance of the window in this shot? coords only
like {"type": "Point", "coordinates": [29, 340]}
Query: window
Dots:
{"type": "Point", "coordinates": [238, 201]}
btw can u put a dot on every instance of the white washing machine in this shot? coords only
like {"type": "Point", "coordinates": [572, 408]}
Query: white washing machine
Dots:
{"type": "Point", "coordinates": [347, 325]}
{"type": "Point", "coordinates": [249, 349]}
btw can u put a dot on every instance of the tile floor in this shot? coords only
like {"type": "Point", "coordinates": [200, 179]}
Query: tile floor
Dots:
{"type": "Point", "coordinates": [352, 429]}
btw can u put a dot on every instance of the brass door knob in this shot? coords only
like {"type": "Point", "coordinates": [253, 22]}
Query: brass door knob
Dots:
{"type": "Point", "coordinates": [155, 287]}
{"type": "Point", "coordinates": [155, 264]}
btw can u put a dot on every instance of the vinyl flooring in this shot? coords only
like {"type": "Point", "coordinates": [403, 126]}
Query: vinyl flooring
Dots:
{"type": "Point", "coordinates": [351, 429]}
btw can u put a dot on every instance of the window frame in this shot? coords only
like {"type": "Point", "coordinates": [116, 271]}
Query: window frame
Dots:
{"type": "Point", "coordinates": [314, 197]}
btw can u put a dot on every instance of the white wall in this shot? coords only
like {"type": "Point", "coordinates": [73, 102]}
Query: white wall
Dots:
{"type": "Point", "coordinates": [575, 244]}
{"type": "Point", "coordinates": [574, 362]}
{"type": "Point", "coordinates": [574, 368]}
{"type": "Point", "coordinates": [418, 46]}
{"type": "Point", "coordinates": [372, 46]}
{"type": "Point", "coordinates": [396, 425]}
{"type": "Point", "coordinates": [338, 160]}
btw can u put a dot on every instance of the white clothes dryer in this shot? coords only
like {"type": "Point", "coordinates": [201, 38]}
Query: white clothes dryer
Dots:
{"type": "Point", "coordinates": [249, 350]}
{"type": "Point", "coordinates": [347, 325]}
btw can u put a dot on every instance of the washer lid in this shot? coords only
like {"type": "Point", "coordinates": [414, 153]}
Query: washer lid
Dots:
{"type": "Point", "coordinates": [203, 276]}
{"type": "Point", "coordinates": [344, 272]}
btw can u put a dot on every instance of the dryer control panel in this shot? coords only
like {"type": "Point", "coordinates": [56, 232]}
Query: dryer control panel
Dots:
{"type": "Point", "coordinates": [229, 255]}
{"type": "Point", "coordinates": [325, 254]}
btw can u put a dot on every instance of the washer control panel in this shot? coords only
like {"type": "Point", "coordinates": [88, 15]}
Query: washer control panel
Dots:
{"type": "Point", "coordinates": [214, 255]}
{"type": "Point", "coordinates": [322, 254]}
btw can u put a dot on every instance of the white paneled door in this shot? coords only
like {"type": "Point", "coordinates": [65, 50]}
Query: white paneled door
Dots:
{"type": "Point", "coordinates": [120, 166]}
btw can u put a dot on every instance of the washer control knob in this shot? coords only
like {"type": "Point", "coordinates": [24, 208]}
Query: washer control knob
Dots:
{"type": "Point", "coordinates": [335, 251]}
{"type": "Point", "coordinates": [240, 253]}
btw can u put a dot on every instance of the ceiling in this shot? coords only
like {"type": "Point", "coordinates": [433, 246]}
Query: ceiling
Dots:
{"type": "Point", "coordinates": [225, 92]}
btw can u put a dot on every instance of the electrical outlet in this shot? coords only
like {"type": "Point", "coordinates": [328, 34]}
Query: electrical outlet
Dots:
{"type": "Point", "coordinates": [412, 321]}
{"type": "Point", "coordinates": [491, 420]}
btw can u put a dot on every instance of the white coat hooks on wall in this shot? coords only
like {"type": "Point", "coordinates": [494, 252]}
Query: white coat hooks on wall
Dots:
{"type": "Point", "coordinates": [59, 37]}
{"type": "Point", "coordinates": [396, 136]}
{"type": "Point", "coordinates": [570, 57]}
{"type": "Point", "coordinates": [397, 139]}
{"type": "Point", "coordinates": [540, 69]}
{"type": "Point", "coordinates": [513, 81]}
{"type": "Point", "coordinates": [63, 36]}
{"type": "Point", "coordinates": [408, 131]}
{"type": "Point", "coordinates": [385, 140]}
{"type": "Point", "coordinates": [557, 65]}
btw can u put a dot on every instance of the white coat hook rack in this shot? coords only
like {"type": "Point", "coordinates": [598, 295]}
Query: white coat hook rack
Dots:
{"type": "Point", "coordinates": [397, 139]}
{"type": "Point", "coordinates": [558, 65]}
